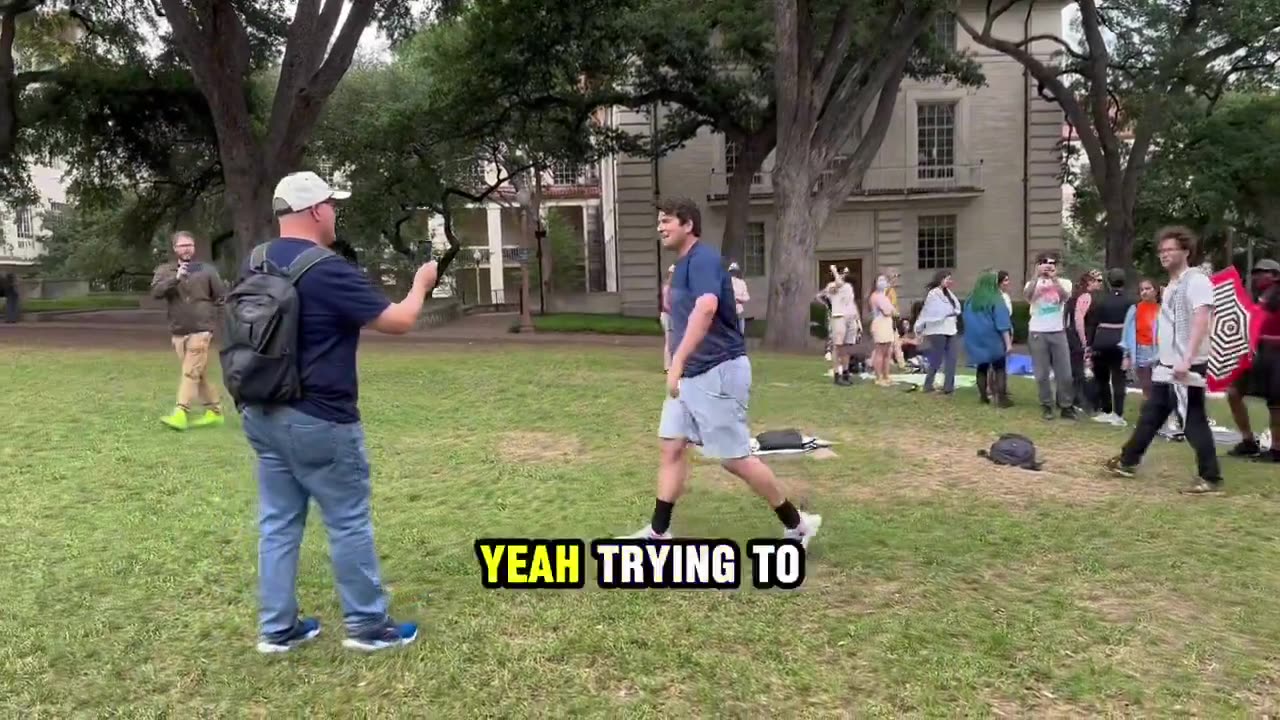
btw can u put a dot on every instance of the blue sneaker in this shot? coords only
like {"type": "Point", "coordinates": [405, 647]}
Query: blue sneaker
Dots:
{"type": "Point", "coordinates": [303, 631]}
{"type": "Point", "coordinates": [387, 636]}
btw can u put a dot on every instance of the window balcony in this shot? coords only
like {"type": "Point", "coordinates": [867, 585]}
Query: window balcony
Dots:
{"type": "Point", "coordinates": [879, 183]}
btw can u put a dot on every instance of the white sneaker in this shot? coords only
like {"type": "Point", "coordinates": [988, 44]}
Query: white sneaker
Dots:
{"type": "Point", "coordinates": [1119, 421]}
{"type": "Point", "coordinates": [646, 533]}
{"type": "Point", "coordinates": [805, 531]}
{"type": "Point", "coordinates": [1107, 418]}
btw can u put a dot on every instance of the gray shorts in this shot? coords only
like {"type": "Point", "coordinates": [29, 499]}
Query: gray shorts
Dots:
{"type": "Point", "coordinates": [711, 411]}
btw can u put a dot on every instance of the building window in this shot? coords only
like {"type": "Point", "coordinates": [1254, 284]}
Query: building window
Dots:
{"type": "Point", "coordinates": [944, 30]}
{"type": "Point", "coordinates": [474, 178]}
{"type": "Point", "coordinates": [24, 223]}
{"type": "Point", "coordinates": [753, 251]}
{"type": "Point", "coordinates": [566, 174]}
{"type": "Point", "coordinates": [936, 140]}
{"type": "Point", "coordinates": [731, 155]}
{"type": "Point", "coordinates": [936, 242]}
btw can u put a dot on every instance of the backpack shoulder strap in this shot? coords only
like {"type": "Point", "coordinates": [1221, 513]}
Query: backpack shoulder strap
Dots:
{"type": "Point", "coordinates": [258, 259]}
{"type": "Point", "coordinates": [306, 260]}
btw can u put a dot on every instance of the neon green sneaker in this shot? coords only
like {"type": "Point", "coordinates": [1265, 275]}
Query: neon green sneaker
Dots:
{"type": "Point", "coordinates": [177, 420]}
{"type": "Point", "coordinates": [209, 419]}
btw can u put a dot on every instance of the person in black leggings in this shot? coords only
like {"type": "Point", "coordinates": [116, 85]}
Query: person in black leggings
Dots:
{"type": "Point", "coordinates": [1104, 325]}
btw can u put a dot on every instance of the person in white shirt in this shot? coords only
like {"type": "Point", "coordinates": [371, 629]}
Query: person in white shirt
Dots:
{"type": "Point", "coordinates": [1004, 282]}
{"type": "Point", "coordinates": [1182, 338]}
{"type": "Point", "coordinates": [1047, 336]}
{"type": "Point", "coordinates": [846, 323]}
{"type": "Point", "coordinates": [937, 324]}
{"type": "Point", "coordinates": [740, 295]}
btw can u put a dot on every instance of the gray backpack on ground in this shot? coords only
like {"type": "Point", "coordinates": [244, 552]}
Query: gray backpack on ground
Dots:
{"type": "Point", "coordinates": [1014, 450]}
{"type": "Point", "coordinates": [259, 352]}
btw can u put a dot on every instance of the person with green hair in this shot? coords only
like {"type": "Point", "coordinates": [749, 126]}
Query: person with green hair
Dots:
{"type": "Point", "coordinates": [988, 337]}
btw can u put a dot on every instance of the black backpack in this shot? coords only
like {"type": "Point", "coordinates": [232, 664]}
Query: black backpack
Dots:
{"type": "Point", "coordinates": [1013, 449]}
{"type": "Point", "coordinates": [259, 352]}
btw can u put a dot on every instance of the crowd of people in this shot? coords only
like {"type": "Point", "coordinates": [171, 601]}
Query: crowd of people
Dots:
{"type": "Point", "coordinates": [1088, 340]}
{"type": "Point", "coordinates": [309, 440]}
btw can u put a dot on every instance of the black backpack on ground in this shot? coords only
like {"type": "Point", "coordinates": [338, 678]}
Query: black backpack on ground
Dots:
{"type": "Point", "coordinates": [259, 352]}
{"type": "Point", "coordinates": [1015, 450]}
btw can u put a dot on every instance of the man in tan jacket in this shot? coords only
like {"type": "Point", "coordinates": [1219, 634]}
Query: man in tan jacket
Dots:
{"type": "Point", "coordinates": [194, 293]}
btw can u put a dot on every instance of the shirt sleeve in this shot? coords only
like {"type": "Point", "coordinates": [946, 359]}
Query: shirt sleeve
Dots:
{"type": "Point", "coordinates": [1002, 323]}
{"type": "Point", "coordinates": [705, 276]}
{"type": "Point", "coordinates": [348, 293]}
{"type": "Point", "coordinates": [1130, 336]}
{"type": "Point", "coordinates": [1200, 291]}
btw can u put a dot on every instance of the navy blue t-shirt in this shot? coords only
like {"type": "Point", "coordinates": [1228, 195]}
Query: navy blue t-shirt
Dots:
{"type": "Point", "coordinates": [336, 301]}
{"type": "Point", "coordinates": [700, 273]}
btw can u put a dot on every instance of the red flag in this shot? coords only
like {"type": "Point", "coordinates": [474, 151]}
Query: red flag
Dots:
{"type": "Point", "coordinates": [1233, 338]}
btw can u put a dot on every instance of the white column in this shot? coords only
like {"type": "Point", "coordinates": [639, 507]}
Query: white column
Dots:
{"type": "Point", "coordinates": [586, 250]}
{"type": "Point", "coordinates": [608, 210]}
{"type": "Point", "coordinates": [496, 263]}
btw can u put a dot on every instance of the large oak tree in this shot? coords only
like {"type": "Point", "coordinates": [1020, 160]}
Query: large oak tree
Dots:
{"type": "Point", "coordinates": [837, 85]}
{"type": "Point", "coordinates": [1137, 63]}
{"type": "Point", "coordinates": [217, 37]}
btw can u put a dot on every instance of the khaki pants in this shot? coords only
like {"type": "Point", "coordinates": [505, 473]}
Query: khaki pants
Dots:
{"type": "Point", "coordinates": [193, 349]}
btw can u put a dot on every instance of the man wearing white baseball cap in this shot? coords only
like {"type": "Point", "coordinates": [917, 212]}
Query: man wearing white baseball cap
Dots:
{"type": "Point", "coordinates": [314, 447]}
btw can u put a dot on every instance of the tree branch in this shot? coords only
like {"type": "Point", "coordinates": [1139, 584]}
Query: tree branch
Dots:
{"type": "Point", "coordinates": [1047, 78]}
{"type": "Point", "coordinates": [1066, 47]}
{"type": "Point", "coordinates": [851, 171]}
{"type": "Point", "coordinates": [834, 54]}
{"type": "Point", "coordinates": [842, 116]}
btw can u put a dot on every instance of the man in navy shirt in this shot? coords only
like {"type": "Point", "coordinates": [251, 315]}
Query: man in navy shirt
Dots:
{"type": "Point", "coordinates": [314, 448]}
{"type": "Point", "coordinates": [710, 380]}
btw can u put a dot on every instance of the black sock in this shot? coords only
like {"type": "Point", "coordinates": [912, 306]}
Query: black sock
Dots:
{"type": "Point", "coordinates": [788, 514]}
{"type": "Point", "coordinates": [661, 516]}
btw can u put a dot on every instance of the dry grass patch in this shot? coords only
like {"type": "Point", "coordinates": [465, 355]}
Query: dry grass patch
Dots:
{"type": "Point", "coordinates": [947, 463]}
{"type": "Point", "coordinates": [522, 447]}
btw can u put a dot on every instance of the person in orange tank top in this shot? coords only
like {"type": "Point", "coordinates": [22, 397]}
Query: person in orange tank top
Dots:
{"type": "Point", "coordinates": [1140, 335]}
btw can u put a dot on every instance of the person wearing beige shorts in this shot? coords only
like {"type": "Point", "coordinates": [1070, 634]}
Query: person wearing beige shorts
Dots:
{"type": "Point", "coordinates": [845, 325]}
{"type": "Point", "coordinates": [883, 332]}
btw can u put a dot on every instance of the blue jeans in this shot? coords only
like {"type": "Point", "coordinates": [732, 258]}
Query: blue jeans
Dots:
{"type": "Point", "coordinates": [302, 457]}
{"type": "Point", "coordinates": [942, 351]}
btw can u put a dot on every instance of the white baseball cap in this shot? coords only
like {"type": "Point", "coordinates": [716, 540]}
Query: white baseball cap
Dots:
{"type": "Point", "coordinates": [301, 190]}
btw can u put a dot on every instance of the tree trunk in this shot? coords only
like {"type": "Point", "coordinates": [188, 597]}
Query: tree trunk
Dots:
{"type": "Point", "coordinates": [793, 281]}
{"type": "Point", "coordinates": [8, 87]}
{"type": "Point", "coordinates": [792, 278]}
{"type": "Point", "coordinates": [249, 201]}
{"type": "Point", "coordinates": [1119, 240]}
{"type": "Point", "coordinates": [737, 213]}
{"type": "Point", "coordinates": [547, 266]}
{"type": "Point", "coordinates": [752, 151]}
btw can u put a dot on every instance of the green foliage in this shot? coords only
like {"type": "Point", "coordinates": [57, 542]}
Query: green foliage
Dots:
{"type": "Point", "coordinates": [497, 83]}
{"type": "Point", "coordinates": [1021, 319]}
{"type": "Point", "coordinates": [86, 244]}
{"type": "Point", "coordinates": [564, 243]}
{"type": "Point", "coordinates": [603, 324]}
{"type": "Point", "coordinates": [1213, 172]}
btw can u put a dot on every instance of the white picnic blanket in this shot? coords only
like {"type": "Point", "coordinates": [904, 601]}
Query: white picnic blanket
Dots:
{"type": "Point", "coordinates": [962, 381]}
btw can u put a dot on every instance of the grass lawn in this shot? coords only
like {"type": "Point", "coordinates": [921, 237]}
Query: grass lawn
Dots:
{"type": "Point", "coordinates": [941, 585]}
{"type": "Point", "coordinates": [96, 301]}
{"type": "Point", "coordinates": [591, 323]}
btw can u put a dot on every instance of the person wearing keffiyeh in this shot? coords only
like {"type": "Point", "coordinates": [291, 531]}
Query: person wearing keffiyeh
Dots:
{"type": "Point", "coordinates": [1186, 314]}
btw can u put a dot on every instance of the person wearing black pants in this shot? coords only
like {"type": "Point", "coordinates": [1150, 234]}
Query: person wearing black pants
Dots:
{"type": "Point", "coordinates": [1156, 411]}
{"type": "Point", "coordinates": [1077, 338]}
{"type": "Point", "coordinates": [1104, 328]}
{"type": "Point", "coordinates": [1186, 314]}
